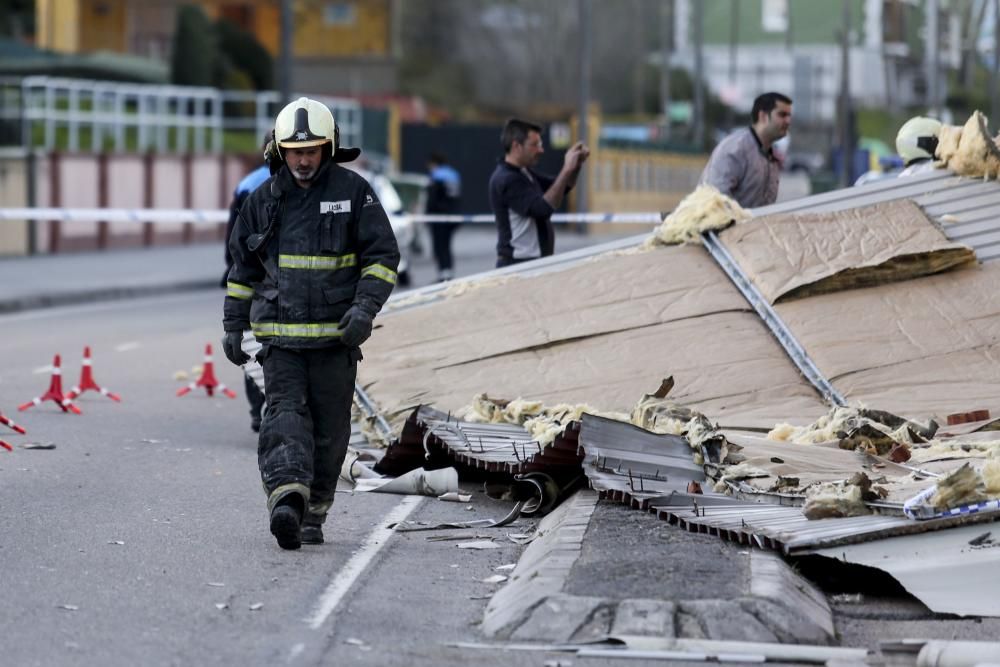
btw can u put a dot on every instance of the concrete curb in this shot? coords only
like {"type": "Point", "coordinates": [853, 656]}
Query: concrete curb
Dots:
{"type": "Point", "coordinates": [38, 301]}
{"type": "Point", "coordinates": [779, 606]}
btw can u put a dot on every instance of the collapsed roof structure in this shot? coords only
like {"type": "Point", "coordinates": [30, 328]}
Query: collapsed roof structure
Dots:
{"type": "Point", "coordinates": [816, 351]}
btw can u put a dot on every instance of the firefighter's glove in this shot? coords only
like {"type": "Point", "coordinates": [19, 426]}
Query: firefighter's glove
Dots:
{"type": "Point", "coordinates": [232, 346]}
{"type": "Point", "coordinates": [355, 326]}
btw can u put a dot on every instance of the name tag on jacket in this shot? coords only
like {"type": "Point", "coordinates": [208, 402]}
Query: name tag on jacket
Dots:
{"type": "Point", "coordinates": [335, 206]}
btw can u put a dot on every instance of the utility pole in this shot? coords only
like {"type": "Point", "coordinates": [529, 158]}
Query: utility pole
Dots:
{"type": "Point", "coordinates": [734, 38]}
{"type": "Point", "coordinates": [931, 40]}
{"type": "Point", "coordinates": [699, 71]}
{"type": "Point", "coordinates": [994, 88]}
{"type": "Point", "coordinates": [584, 108]}
{"type": "Point", "coordinates": [666, 42]}
{"type": "Point", "coordinates": [845, 111]}
{"type": "Point", "coordinates": [285, 57]}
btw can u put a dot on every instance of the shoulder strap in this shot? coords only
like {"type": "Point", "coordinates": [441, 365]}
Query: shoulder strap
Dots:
{"type": "Point", "coordinates": [274, 209]}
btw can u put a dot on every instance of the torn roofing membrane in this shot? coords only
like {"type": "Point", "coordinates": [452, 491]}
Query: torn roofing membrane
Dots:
{"type": "Point", "coordinates": [601, 332]}
{"type": "Point", "coordinates": [792, 255]}
{"type": "Point", "coordinates": [920, 348]}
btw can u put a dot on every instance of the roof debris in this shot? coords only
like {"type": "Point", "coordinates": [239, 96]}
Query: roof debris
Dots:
{"type": "Point", "coordinates": [875, 431]}
{"type": "Point", "coordinates": [969, 150]}
{"type": "Point", "coordinates": [598, 333]}
{"type": "Point", "coordinates": [543, 423]}
{"type": "Point", "coordinates": [839, 499]}
{"type": "Point", "coordinates": [704, 209]}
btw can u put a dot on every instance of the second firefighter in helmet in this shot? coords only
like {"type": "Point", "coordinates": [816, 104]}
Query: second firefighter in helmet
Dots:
{"type": "Point", "coordinates": [314, 260]}
{"type": "Point", "coordinates": [916, 143]}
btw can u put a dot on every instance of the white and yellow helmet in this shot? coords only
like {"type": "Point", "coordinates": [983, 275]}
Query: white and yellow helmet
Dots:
{"type": "Point", "coordinates": [305, 123]}
{"type": "Point", "coordinates": [917, 139]}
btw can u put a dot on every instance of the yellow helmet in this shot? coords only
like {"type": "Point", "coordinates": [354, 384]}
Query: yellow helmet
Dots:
{"type": "Point", "coordinates": [306, 122]}
{"type": "Point", "coordinates": [917, 139]}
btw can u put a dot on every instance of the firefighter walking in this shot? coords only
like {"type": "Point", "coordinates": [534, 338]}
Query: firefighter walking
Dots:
{"type": "Point", "coordinates": [314, 260]}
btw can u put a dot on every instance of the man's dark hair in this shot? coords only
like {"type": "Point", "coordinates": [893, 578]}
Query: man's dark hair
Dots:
{"type": "Point", "coordinates": [437, 158]}
{"type": "Point", "coordinates": [766, 103]}
{"type": "Point", "coordinates": [516, 130]}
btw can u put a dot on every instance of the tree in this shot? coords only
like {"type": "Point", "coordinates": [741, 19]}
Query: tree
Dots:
{"type": "Point", "coordinates": [17, 18]}
{"type": "Point", "coordinates": [195, 59]}
{"type": "Point", "coordinates": [242, 51]}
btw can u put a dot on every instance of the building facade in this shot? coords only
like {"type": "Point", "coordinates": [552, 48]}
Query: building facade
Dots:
{"type": "Point", "coordinates": [344, 47]}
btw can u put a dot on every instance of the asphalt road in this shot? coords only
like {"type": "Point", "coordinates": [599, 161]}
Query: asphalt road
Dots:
{"type": "Point", "coordinates": [118, 546]}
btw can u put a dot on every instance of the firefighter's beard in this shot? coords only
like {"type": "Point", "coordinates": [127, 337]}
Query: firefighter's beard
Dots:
{"type": "Point", "coordinates": [305, 174]}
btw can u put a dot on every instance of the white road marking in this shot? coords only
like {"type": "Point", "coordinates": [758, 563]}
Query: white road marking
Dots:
{"type": "Point", "coordinates": [43, 369]}
{"type": "Point", "coordinates": [130, 345]}
{"type": "Point", "coordinates": [344, 579]}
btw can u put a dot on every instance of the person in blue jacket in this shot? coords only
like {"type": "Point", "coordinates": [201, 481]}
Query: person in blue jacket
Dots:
{"type": "Point", "coordinates": [248, 184]}
{"type": "Point", "coordinates": [444, 193]}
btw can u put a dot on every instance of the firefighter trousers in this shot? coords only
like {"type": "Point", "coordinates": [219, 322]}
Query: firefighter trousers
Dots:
{"type": "Point", "coordinates": [307, 424]}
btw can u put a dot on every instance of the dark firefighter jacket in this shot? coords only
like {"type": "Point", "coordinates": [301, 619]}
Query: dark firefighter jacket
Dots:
{"type": "Point", "coordinates": [302, 257]}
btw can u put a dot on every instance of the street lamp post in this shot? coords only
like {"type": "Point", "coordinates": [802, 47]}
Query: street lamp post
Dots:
{"type": "Point", "coordinates": [285, 57]}
{"type": "Point", "coordinates": [584, 108]}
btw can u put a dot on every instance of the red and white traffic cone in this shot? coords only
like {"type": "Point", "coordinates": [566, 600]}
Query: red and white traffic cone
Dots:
{"type": "Point", "coordinates": [6, 446]}
{"type": "Point", "coordinates": [7, 422]}
{"type": "Point", "coordinates": [87, 380]}
{"type": "Point", "coordinates": [207, 379]}
{"type": "Point", "coordinates": [55, 392]}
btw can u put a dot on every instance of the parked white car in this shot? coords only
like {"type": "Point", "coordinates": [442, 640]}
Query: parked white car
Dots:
{"type": "Point", "coordinates": [402, 224]}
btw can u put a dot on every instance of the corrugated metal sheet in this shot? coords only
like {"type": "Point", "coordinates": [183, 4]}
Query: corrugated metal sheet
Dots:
{"type": "Point", "coordinates": [431, 436]}
{"type": "Point", "coordinates": [967, 208]}
{"type": "Point", "coordinates": [630, 465]}
{"type": "Point", "coordinates": [953, 571]}
{"type": "Point", "coordinates": [787, 529]}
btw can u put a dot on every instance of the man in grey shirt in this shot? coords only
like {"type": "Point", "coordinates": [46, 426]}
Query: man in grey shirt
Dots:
{"type": "Point", "coordinates": [743, 166]}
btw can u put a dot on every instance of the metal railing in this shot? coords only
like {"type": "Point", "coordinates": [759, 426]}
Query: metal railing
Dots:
{"type": "Point", "coordinates": [80, 114]}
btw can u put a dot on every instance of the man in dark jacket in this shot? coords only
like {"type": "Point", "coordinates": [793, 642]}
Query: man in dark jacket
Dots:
{"type": "Point", "coordinates": [314, 260]}
{"type": "Point", "coordinates": [523, 199]}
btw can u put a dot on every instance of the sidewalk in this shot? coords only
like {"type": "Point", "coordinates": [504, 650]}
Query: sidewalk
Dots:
{"type": "Point", "coordinates": [72, 278]}
{"type": "Point", "coordinates": [54, 280]}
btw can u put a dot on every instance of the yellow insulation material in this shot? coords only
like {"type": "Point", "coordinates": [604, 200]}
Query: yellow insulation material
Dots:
{"type": "Point", "coordinates": [834, 499]}
{"type": "Point", "coordinates": [704, 209]}
{"type": "Point", "coordinates": [962, 487]}
{"type": "Point", "coordinates": [843, 422]}
{"type": "Point", "coordinates": [973, 157]}
{"type": "Point", "coordinates": [544, 423]}
{"type": "Point", "coordinates": [991, 478]}
{"type": "Point", "coordinates": [955, 448]}
{"type": "Point", "coordinates": [966, 151]}
{"type": "Point", "coordinates": [655, 413]}
{"type": "Point", "coordinates": [824, 429]}
{"type": "Point", "coordinates": [948, 139]}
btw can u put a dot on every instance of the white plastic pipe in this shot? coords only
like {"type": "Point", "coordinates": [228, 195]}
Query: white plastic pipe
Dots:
{"type": "Point", "coordinates": [941, 653]}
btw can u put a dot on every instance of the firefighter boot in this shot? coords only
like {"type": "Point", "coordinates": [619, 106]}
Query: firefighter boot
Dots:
{"type": "Point", "coordinates": [312, 529]}
{"type": "Point", "coordinates": [286, 518]}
